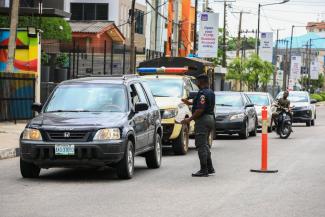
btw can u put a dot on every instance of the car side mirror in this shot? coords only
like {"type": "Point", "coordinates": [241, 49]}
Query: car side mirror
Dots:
{"type": "Point", "coordinates": [249, 105]}
{"type": "Point", "coordinates": [313, 101]}
{"type": "Point", "coordinates": [141, 106]}
{"type": "Point", "coordinates": [192, 94]}
{"type": "Point", "coordinates": [37, 107]}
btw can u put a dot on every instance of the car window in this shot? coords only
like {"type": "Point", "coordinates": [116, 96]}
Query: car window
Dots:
{"type": "Point", "coordinates": [229, 100]}
{"type": "Point", "coordinates": [141, 94]}
{"type": "Point", "coordinates": [194, 86]}
{"type": "Point", "coordinates": [149, 93]}
{"type": "Point", "coordinates": [259, 99]}
{"type": "Point", "coordinates": [162, 87]}
{"type": "Point", "coordinates": [296, 96]}
{"type": "Point", "coordinates": [88, 98]}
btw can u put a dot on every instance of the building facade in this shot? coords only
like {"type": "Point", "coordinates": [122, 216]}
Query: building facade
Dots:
{"type": "Point", "coordinates": [172, 27]}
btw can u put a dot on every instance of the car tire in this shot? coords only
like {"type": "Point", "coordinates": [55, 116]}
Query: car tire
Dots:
{"type": "Point", "coordinates": [254, 132]}
{"type": "Point", "coordinates": [153, 158]}
{"type": "Point", "coordinates": [269, 129]}
{"type": "Point", "coordinates": [180, 145]}
{"type": "Point", "coordinates": [312, 122]}
{"type": "Point", "coordinates": [125, 168]}
{"type": "Point", "coordinates": [29, 170]}
{"type": "Point", "coordinates": [308, 123]}
{"type": "Point", "coordinates": [245, 133]}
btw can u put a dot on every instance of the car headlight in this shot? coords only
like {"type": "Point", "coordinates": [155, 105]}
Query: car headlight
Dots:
{"type": "Point", "coordinates": [237, 116]}
{"type": "Point", "coordinates": [32, 134]}
{"type": "Point", "coordinates": [107, 134]}
{"type": "Point", "coordinates": [169, 113]}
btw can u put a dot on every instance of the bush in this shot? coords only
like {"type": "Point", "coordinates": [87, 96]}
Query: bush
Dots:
{"type": "Point", "coordinates": [323, 96]}
{"type": "Point", "coordinates": [317, 97]}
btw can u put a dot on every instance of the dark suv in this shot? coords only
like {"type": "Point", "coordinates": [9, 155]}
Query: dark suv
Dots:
{"type": "Point", "coordinates": [93, 122]}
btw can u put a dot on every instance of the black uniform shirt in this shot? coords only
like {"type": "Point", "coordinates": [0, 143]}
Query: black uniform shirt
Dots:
{"type": "Point", "coordinates": [205, 99]}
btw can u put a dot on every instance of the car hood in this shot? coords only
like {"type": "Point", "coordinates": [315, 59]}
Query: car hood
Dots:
{"type": "Point", "coordinates": [79, 119]}
{"type": "Point", "coordinates": [299, 104]}
{"type": "Point", "coordinates": [222, 110]}
{"type": "Point", "coordinates": [168, 102]}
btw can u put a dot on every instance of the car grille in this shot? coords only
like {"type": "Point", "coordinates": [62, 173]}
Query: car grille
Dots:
{"type": "Point", "coordinates": [81, 136]}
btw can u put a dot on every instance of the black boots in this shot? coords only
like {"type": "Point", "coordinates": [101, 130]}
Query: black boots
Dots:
{"type": "Point", "coordinates": [201, 173]}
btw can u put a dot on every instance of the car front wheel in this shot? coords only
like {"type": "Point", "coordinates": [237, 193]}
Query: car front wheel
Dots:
{"type": "Point", "coordinates": [245, 133]}
{"type": "Point", "coordinates": [180, 145]}
{"type": "Point", "coordinates": [29, 170]}
{"type": "Point", "coordinates": [125, 167]}
{"type": "Point", "coordinates": [153, 158]}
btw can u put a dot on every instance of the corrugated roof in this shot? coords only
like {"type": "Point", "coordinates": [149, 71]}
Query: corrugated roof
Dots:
{"type": "Point", "coordinates": [89, 26]}
{"type": "Point", "coordinates": [318, 41]}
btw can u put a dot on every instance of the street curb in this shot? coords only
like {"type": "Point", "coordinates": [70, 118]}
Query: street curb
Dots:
{"type": "Point", "coordinates": [9, 153]}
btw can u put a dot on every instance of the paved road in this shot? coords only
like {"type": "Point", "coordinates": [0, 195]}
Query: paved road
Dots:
{"type": "Point", "coordinates": [297, 190]}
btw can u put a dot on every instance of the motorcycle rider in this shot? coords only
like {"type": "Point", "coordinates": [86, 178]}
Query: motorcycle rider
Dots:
{"type": "Point", "coordinates": [282, 103]}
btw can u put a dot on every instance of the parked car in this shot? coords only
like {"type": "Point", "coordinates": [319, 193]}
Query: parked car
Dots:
{"type": "Point", "coordinates": [303, 107]}
{"type": "Point", "coordinates": [168, 91]}
{"type": "Point", "coordinates": [235, 114]}
{"type": "Point", "coordinates": [93, 122]}
{"type": "Point", "coordinates": [261, 99]}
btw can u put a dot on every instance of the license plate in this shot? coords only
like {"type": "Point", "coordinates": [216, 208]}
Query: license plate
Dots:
{"type": "Point", "coordinates": [64, 150]}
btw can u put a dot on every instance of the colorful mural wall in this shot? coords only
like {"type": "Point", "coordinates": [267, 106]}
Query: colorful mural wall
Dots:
{"type": "Point", "coordinates": [17, 89]}
{"type": "Point", "coordinates": [27, 52]}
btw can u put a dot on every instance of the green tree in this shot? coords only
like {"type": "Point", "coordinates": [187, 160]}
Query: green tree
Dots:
{"type": "Point", "coordinates": [265, 74]}
{"type": "Point", "coordinates": [254, 67]}
{"type": "Point", "coordinates": [52, 27]}
{"type": "Point", "coordinates": [236, 71]}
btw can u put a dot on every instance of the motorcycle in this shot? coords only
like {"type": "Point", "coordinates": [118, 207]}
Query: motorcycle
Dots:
{"type": "Point", "coordinates": [284, 122]}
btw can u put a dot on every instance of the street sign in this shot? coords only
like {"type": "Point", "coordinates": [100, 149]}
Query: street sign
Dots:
{"type": "Point", "coordinates": [208, 35]}
{"type": "Point", "coordinates": [314, 69]}
{"type": "Point", "coordinates": [295, 70]}
{"type": "Point", "coordinates": [266, 46]}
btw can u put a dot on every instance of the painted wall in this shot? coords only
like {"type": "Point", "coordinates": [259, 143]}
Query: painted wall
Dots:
{"type": "Point", "coordinates": [26, 56]}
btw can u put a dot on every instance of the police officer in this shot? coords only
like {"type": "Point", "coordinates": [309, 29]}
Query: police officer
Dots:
{"type": "Point", "coordinates": [283, 103]}
{"type": "Point", "coordinates": [203, 115]}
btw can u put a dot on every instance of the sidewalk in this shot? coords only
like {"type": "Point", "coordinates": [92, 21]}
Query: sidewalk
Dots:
{"type": "Point", "coordinates": [9, 138]}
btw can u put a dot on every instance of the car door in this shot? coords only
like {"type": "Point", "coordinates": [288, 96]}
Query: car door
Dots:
{"type": "Point", "coordinates": [250, 112]}
{"type": "Point", "coordinates": [140, 119]}
{"type": "Point", "coordinates": [152, 117]}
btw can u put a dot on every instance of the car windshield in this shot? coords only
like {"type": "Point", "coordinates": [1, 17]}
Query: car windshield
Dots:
{"type": "Point", "coordinates": [88, 98]}
{"type": "Point", "coordinates": [231, 100]}
{"type": "Point", "coordinates": [166, 87]}
{"type": "Point", "coordinates": [259, 99]}
{"type": "Point", "coordinates": [295, 96]}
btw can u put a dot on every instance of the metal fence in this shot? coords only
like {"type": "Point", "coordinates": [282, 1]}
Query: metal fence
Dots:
{"type": "Point", "coordinates": [17, 94]}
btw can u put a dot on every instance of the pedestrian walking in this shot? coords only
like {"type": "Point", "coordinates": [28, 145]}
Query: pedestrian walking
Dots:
{"type": "Point", "coordinates": [203, 115]}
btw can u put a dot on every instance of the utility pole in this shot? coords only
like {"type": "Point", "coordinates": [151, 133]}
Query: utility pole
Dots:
{"type": "Point", "coordinates": [14, 10]}
{"type": "Point", "coordinates": [132, 49]}
{"type": "Point", "coordinates": [239, 31]}
{"type": "Point", "coordinates": [195, 28]}
{"type": "Point", "coordinates": [276, 66]}
{"type": "Point", "coordinates": [276, 63]}
{"type": "Point", "coordinates": [285, 68]}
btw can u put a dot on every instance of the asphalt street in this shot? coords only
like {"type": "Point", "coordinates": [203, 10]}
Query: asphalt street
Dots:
{"type": "Point", "coordinates": [297, 190]}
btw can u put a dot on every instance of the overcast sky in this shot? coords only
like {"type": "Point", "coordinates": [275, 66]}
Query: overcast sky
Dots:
{"type": "Point", "coordinates": [295, 12]}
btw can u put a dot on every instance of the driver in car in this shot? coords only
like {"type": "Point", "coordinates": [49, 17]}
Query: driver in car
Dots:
{"type": "Point", "coordinates": [282, 103]}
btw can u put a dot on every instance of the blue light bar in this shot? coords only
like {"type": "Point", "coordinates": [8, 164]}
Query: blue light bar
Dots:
{"type": "Point", "coordinates": [147, 70]}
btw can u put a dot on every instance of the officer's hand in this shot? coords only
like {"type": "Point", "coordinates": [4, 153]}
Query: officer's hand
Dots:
{"type": "Point", "coordinates": [186, 101]}
{"type": "Point", "coordinates": [186, 121]}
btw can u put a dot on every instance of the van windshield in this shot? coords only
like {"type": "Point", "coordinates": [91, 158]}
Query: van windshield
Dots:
{"type": "Point", "coordinates": [88, 98]}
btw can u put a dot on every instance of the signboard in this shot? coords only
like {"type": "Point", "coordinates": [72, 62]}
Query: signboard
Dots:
{"type": "Point", "coordinates": [279, 78]}
{"type": "Point", "coordinates": [208, 35]}
{"type": "Point", "coordinates": [314, 69]}
{"type": "Point", "coordinates": [266, 46]}
{"type": "Point", "coordinates": [295, 70]}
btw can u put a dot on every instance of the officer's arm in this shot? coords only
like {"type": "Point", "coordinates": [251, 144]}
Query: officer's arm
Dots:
{"type": "Point", "coordinates": [196, 114]}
